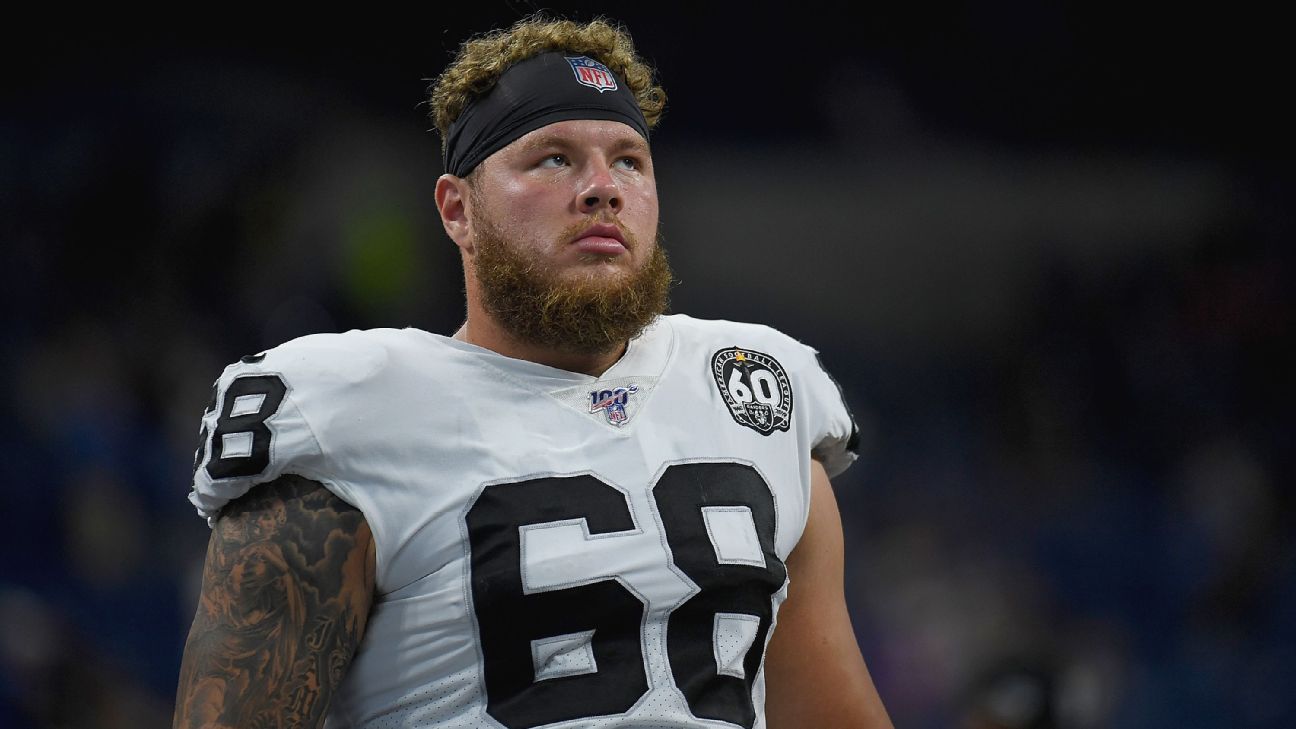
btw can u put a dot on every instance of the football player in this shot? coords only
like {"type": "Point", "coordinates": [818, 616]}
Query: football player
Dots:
{"type": "Point", "coordinates": [574, 512]}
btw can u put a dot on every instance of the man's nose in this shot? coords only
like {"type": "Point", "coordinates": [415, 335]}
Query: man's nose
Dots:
{"type": "Point", "coordinates": [599, 191]}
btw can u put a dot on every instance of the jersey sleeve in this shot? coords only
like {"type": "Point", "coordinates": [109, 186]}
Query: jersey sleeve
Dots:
{"type": "Point", "coordinates": [833, 432]}
{"type": "Point", "coordinates": [252, 432]}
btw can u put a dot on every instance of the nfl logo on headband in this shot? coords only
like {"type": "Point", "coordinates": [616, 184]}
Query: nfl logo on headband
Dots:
{"type": "Point", "coordinates": [593, 74]}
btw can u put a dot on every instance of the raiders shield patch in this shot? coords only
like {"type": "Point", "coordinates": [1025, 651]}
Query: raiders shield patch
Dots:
{"type": "Point", "coordinates": [755, 387]}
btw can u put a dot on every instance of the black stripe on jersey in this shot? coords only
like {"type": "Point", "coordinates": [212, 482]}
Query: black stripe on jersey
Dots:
{"type": "Point", "coordinates": [852, 444]}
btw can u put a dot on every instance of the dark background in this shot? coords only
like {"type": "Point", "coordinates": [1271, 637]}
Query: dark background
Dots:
{"type": "Point", "coordinates": [1046, 248]}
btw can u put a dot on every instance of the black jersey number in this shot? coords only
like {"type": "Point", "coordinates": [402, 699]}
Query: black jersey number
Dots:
{"type": "Point", "coordinates": [512, 622]}
{"type": "Point", "coordinates": [734, 587]}
{"type": "Point", "coordinates": [240, 443]}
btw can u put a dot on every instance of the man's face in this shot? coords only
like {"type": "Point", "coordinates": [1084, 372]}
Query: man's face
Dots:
{"type": "Point", "coordinates": [564, 230]}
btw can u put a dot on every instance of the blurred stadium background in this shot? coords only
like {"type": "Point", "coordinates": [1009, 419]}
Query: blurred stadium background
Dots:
{"type": "Point", "coordinates": [1046, 248]}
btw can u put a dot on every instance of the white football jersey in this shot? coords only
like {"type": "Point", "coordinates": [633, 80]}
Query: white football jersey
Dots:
{"type": "Point", "coordinates": [553, 549]}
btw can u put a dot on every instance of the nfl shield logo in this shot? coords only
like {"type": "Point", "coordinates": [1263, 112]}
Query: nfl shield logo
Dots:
{"type": "Point", "coordinates": [593, 74]}
{"type": "Point", "coordinates": [613, 403]}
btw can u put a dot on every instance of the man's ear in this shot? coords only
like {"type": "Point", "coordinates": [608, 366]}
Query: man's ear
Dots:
{"type": "Point", "coordinates": [452, 203]}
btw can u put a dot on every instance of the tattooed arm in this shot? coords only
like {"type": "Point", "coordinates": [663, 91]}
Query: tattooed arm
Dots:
{"type": "Point", "coordinates": [287, 587]}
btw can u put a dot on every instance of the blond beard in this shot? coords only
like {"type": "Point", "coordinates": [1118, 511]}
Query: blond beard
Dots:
{"type": "Point", "coordinates": [585, 315]}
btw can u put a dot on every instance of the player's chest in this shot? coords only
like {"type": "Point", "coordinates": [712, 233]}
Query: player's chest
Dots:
{"type": "Point", "coordinates": [603, 478]}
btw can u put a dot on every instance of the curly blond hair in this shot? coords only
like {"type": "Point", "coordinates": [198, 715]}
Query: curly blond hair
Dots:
{"type": "Point", "coordinates": [482, 60]}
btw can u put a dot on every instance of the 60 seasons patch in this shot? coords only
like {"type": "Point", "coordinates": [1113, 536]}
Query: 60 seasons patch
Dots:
{"type": "Point", "coordinates": [755, 387]}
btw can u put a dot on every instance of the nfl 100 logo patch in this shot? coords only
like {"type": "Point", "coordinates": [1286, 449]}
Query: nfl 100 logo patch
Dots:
{"type": "Point", "coordinates": [613, 403]}
{"type": "Point", "coordinates": [593, 74]}
{"type": "Point", "coordinates": [755, 387]}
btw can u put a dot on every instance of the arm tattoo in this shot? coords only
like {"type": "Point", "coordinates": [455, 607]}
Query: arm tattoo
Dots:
{"type": "Point", "coordinates": [287, 588]}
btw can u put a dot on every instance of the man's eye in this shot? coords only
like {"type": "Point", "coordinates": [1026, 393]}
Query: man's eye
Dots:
{"type": "Point", "coordinates": [627, 163]}
{"type": "Point", "coordinates": [554, 160]}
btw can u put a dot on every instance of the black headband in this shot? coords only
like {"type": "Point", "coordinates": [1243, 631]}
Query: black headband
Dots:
{"type": "Point", "coordinates": [541, 90]}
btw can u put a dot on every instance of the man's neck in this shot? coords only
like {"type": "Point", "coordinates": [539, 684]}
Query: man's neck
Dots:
{"type": "Point", "coordinates": [483, 332]}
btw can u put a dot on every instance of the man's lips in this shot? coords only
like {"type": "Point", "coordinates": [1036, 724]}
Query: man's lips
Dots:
{"type": "Point", "coordinates": [601, 239]}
